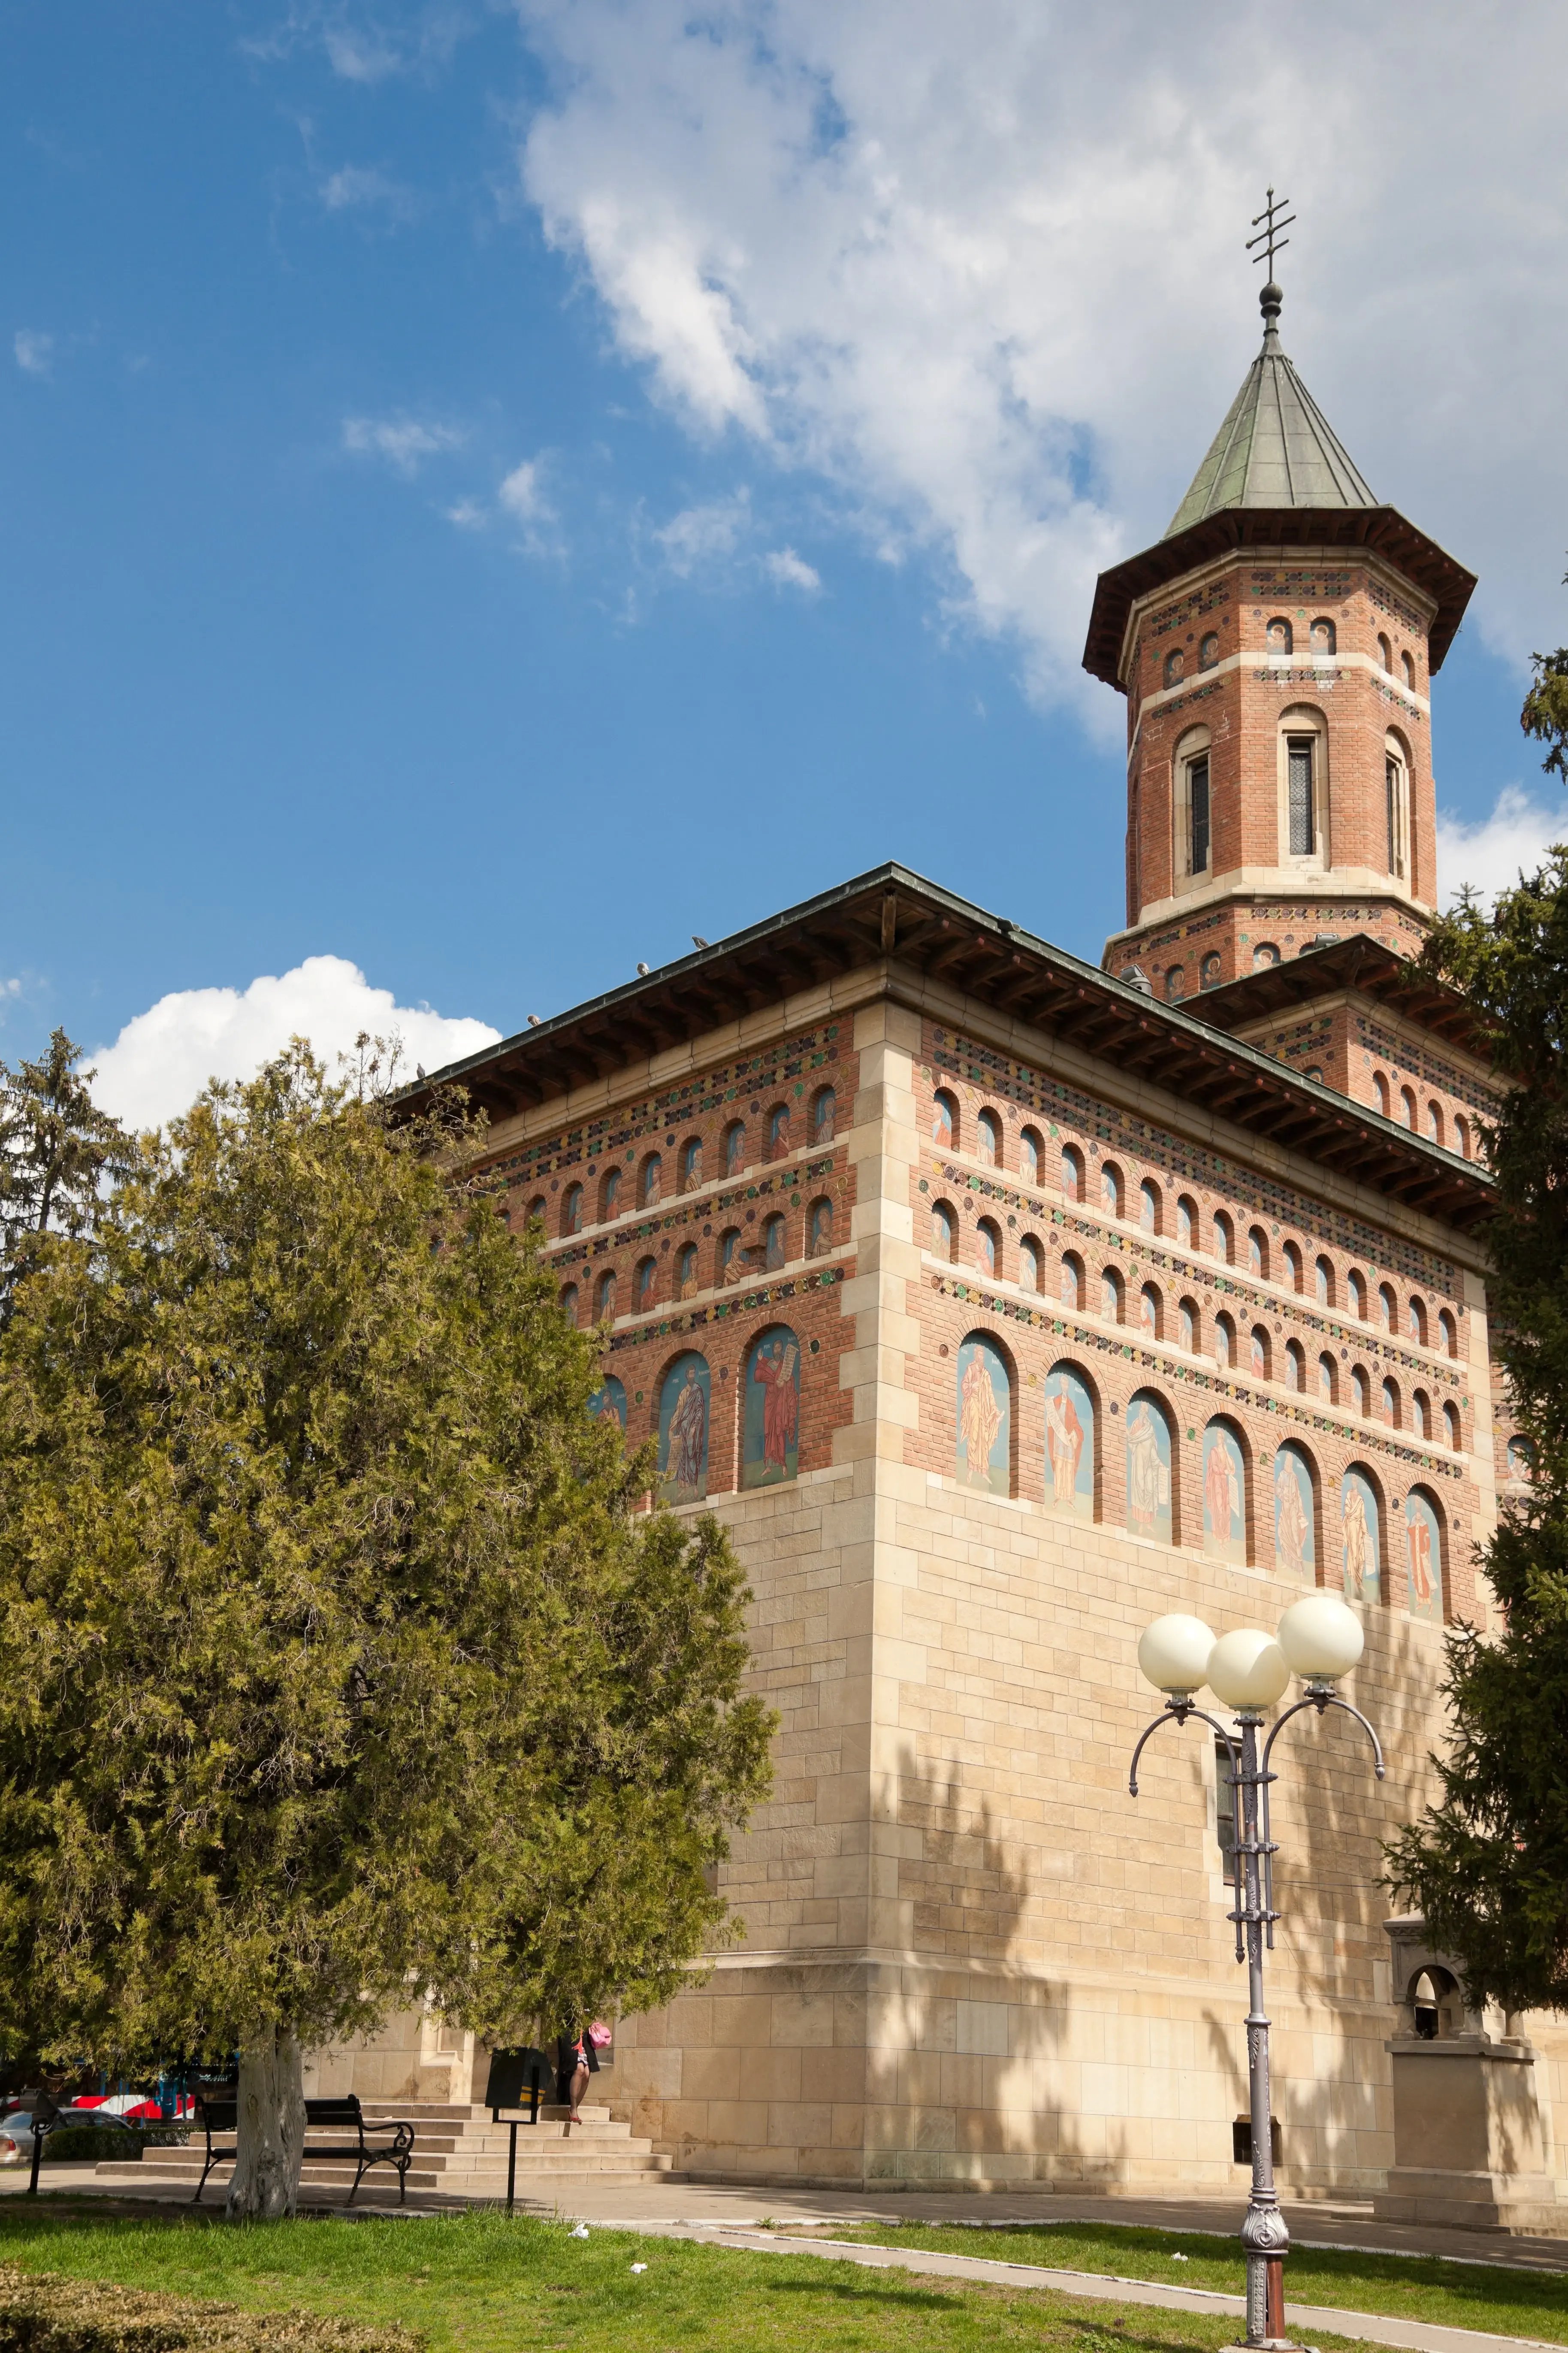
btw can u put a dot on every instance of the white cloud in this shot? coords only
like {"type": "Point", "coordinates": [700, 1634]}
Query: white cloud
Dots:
{"type": "Point", "coordinates": [356, 187]}
{"type": "Point", "coordinates": [980, 267]}
{"type": "Point", "coordinates": [161, 1061]}
{"type": "Point", "coordinates": [700, 537]}
{"type": "Point", "coordinates": [788, 570]}
{"type": "Point", "coordinates": [521, 495]}
{"type": "Point", "coordinates": [34, 351]}
{"type": "Point", "coordinates": [401, 440]}
{"type": "Point", "coordinates": [468, 515]}
{"type": "Point", "coordinates": [1489, 854]}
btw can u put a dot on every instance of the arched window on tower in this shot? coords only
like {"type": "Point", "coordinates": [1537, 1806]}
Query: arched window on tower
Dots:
{"type": "Point", "coordinates": [1385, 652]}
{"type": "Point", "coordinates": [1461, 1135]}
{"type": "Point", "coordinates": [1208, 652]}
{"type": "Point", "coordinates": [1209, 971]}
{"type": "Point", "coordinates": [1396, 804]}
{"type": "Point", "coordinates": [1281, 637]}
{"type": "Point", "coordinates": [1301, 793]}
{"type": "Point", "coordinates": [1407, 668]}
{"type": "Point", "coordinates": [1173, 667]}
{"type": "Point", "coordinates": [1408, 1108]}
{"type": "Point", "coordinates": [1380, 1086]}
{"type": "Point", "coordinates": [1193, 805]}
{"type": "Point", "coordinates": [1323, 640]}
{"type": "Point", "coordinates": [1031, 1149]}
{"type": "Point", "coordinates": [1265, 955]}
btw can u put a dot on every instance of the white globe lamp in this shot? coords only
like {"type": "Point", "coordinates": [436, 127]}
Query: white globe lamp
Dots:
{"type": "Point", "coordinates": [1247, 1668]}
{"type": "Point", "coordinates": [1173, 1653]}
{"type": "Point", "coordinates": [1321, 1639]}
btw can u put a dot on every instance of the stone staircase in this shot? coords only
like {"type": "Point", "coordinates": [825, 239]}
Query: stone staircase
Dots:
{"type": "Point", "coordinates": [457, 2153]}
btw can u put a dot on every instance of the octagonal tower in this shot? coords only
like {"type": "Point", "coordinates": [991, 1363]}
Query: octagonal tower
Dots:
{"type": "Point", "coordinates": [1276, 648]}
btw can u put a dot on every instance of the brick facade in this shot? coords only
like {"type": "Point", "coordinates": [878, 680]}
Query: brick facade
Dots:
{"type": "Point", "coordinates": [1232, 659]}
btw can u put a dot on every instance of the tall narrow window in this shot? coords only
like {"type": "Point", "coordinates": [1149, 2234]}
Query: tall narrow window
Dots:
{"type": "Point", "coordinates": [1303, 829]}
{"type": "Point", "coordinates": [1398, 827]}
{"type": "Point", "coordinates": [1198, 807]}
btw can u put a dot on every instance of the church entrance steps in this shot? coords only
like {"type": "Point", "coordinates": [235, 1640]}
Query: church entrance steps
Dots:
{"type": "Point", "coordinates": [458, 2151]}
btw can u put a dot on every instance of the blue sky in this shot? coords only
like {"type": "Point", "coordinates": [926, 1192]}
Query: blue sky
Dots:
{"type": "Point", "coordinates": [402, 565]}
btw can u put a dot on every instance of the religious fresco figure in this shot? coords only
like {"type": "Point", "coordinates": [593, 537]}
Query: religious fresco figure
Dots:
{"type": "Point", "coordinates": [1295, 1543]}
{"type": "Point", "coordinates": [683, 1418]}
{"type": "Point", "coordinates": [1147, 1468]}
{"type": "Point", "coordinates": [820, 1232]}
{"type": "Point", "coordinates": [1069, 1443]}
{"type": "Point", "coordinates": [771, 1436]}
{"type": "Point", "coordinates": [1225, 1493]}
{"type": "Point", "coordinates": [1424, 1556]}
{"type": "Point", "coordinates": [608, 1402]}
{"type": "Point", "coordinates": [1358, 1517]}
{"type": "Point", "coordinates": [985, 1416]}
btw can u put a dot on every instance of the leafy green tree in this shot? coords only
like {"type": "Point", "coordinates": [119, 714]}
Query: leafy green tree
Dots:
{"type": "Point", "coordinates": [337, 1659]}
{"type": "Point", "coordinates": [1487, 1865]}
{"type": "Point", "coordinates": [57, 1150]}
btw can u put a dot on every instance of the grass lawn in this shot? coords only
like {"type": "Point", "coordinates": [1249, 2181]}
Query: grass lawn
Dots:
{"type": "Point", "coordinates": [1412, 2287]}
{"type": "Point", "coordinates": [478, 2282]}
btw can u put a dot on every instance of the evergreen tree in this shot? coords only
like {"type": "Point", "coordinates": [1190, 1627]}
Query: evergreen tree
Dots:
{"type": "Point", "coordinates": [1488, 1866]}
{"type": "Point", "coordinates": [57, 1150]}
{"type": "Point", "coordinates": [336, 1658]}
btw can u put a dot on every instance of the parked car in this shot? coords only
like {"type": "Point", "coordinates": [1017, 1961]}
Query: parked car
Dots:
{"type": "Point", "coordinates": [16, 2130]}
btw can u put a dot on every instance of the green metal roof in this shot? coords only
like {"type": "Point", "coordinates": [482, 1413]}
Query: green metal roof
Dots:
{"type": "Point", "coordinates": [1275, 447]}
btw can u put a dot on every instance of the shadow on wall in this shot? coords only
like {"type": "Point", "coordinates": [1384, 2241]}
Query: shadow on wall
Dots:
{"type": "Point", "coordinates": [962, 2063]}
{"type": "Point", "coordinates": [1331, 1952]}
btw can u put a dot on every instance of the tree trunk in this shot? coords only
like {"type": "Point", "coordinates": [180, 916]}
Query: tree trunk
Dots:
{"type": "Point", "coordinates": [264, 2184]}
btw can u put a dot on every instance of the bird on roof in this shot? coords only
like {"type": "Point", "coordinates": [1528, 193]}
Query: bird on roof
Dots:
{"type": "Point", "coordinates": [643, 970]}
{"type": "Point", "coordinates": [533, 1020]}
{"type": "Point", "coordinates": [699, 942]}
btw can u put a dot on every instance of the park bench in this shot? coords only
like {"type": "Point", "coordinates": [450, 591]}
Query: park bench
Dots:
{"type": "Point", "coordinates": [374, 2144]}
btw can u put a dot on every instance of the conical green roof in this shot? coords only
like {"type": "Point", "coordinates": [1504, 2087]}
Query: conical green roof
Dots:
{"type": "Point", "coordinates": [1275, 448]}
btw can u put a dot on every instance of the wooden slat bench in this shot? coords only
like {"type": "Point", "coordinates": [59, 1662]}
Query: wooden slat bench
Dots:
{"type": "Point", "coordinates": [374, 2144]}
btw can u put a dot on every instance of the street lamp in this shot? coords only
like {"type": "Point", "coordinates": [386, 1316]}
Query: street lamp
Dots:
{"type": "Point", "coordinates": [1319, 1640]}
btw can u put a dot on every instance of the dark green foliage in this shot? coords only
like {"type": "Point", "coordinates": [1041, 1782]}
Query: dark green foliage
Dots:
{"type": "Point", "coordinates": [335, 1656]}
{"type": "Point", "coordinates": [1545, 711]}
{"type": "Point", "coordinates": [40, 2311]}
{"type": "Point", "coordinates": [1489, 1865]}
{"type": "Point", "coordinates": [56, 1150]}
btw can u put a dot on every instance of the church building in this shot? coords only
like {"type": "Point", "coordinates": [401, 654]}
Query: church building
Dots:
{"type": "Point", "coordinates": [997, 1302]}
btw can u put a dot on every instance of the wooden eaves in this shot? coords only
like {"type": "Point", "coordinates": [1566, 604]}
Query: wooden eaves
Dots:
{"type": "Point", "coordinates": [893, 917]}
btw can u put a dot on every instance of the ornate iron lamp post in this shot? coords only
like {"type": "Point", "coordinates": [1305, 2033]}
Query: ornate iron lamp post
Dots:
{"type": "Point", "coordinates": [1319, 1639]}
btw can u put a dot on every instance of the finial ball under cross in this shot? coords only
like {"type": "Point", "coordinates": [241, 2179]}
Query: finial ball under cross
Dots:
{"type": "Point", "coordinates": [1268, 237]}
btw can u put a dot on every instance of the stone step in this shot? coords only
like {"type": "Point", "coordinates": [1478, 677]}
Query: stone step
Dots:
{"type": "Point", "coordinates": [553, 2157]}
{"type": "Point", "coordinates": [382, 2186]}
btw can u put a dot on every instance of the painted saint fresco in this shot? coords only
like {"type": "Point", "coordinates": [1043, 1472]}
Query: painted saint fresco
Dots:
{"type": "Point", "coordinates": [942, 1120]}
{"type": "Point", "coordinates": [1295, 1534]}
{"type": "Point", "coordinates": [1147, 1468]}
{"type": "Point", "coordinates": [984, 1417]}
{"type": "Point", "coordinates": [778, 1131]}
{"type": "Point", "coordinates": [1520, 1459]}
{"type": "Point", "coordinates": [1424, 1556]}
{"type": "Point", "coordinates": [1358, 1517]}
{"type": "Point", "coordinates": [819, 1237]}
{"type": "Point", "coordinates": [1069, 1444]}
{"type": "Point", "coordinates": [1225, 1493]}
{"type": "Point", "coordinates": [608, 1402]}
{"type": "Point", "coordinates": [684, 1404]}
{"type": "Point", "coordinates": [769, 1439]}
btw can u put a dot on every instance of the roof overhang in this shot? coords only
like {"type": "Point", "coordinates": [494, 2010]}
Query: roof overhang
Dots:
{"type": "Point", "coordinates": [1358, 964]}
{"type": "Point", "coordinates": [1380, 531]}
{"type": "Point", "coordinates": [912, 931]}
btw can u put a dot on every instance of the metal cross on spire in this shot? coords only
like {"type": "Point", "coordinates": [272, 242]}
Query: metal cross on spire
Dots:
{"type": "Point", "coordinates": [1269, 236]}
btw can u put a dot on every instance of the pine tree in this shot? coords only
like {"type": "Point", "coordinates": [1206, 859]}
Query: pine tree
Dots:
{"type": "Point", "coordinates": [58, 1149]}
{"type": "Point", "coordinates": [1488, 1866]}
{"type": "Point", "coordinates": [337, 1657]}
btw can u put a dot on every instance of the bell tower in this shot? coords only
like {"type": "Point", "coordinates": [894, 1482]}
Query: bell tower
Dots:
{"type": "Point", "coordinates": [1276, 648]}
